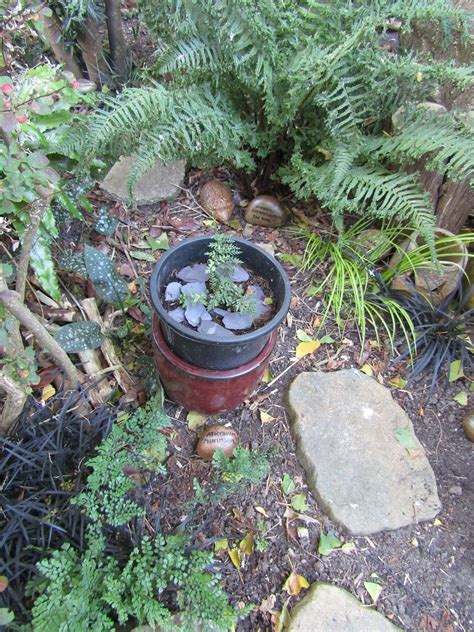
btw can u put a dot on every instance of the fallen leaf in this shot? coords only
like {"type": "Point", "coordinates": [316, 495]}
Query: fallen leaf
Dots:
{"type": "Point", "coordinates": [303, 535]}
{"type": "Point", "coordinates": [461, 398]}
{"type": "Point", "coordinates": [265, 418]}
{"type": "Point", "coordinates": [267, 604]}
{"type": "Point", "coordinates": [303, 336]}
{"type": "Point", "coordinates": [142, 256]}
{"type": "Point", "coordinates": [161, 243]}
{"type": "Point", "coordinates": [267, 376]}
{"type": "Point", "coordinates": [136, 314]}
{"type": "Point", "coordinates": [289, 320]}
{"type": "Point", "coordinates": [348, 548]}
{"type": "Point", "coordinates": [326, 340]}
{"type": "Point", "coordinates": [235, 224]}
{"type": "Point", "coordinates": [281, 620]}
{"type": "Point", "coordinates": [184, 224]}
{"type": "Point", "coordinates": [367, 369]}
{"type": "Point", "coordinates": [195, 419]}
{"type": "Point", "coordinates": [405, 437]}
{"type": "Point", "coordinates": [3, 583]}
{"type": "Point", "coordinates": [298, 503]}
{"type": "Point", "coordinates": [427, 622]}
{"type": "Point", "coordinates": [287, 485]}
{"type": "Point", "coordinates": [247, 544]}
{"type": "Point", "coordinates": [262, 511]}
{"type": "Point", "coordinates": [295, 584]}
{"type": "Point", "coordinates": [306, 348]}
{"type": "Point", "coordinates": [234, 555]}
{"type": "Point", "coordinates": [293, 515]}
{"type": "Point", "coordinates": [48, 392]}
{"type": "Point", "coordinates": [437, 522]}
{"type": "Point", "coordinates": [327, 543]}
{"type": "Point", "coordinates": [398, 382]}
{"type": "Point", "coordinates": [221, 545]}
{"type": "Point", "coordinates": [374, 590]}
{"type": "Point", "coordinates": [455, 371]}
{"type": "Point", "coordinates": [46, 376]}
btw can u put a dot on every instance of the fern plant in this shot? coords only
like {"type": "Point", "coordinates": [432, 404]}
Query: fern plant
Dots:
{"type": "Point", "coordinates": [296, 89]}
{"type": "Point", "coordinates": [96, 589]}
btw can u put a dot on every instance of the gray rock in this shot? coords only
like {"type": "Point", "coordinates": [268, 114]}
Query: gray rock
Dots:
{"type": "Point", "coordinates": [236, 320]}
{"type": "Point", "coordinates": [193, 313]}
{"type": "Point", "coordinates": [239, 275]}
{"type": "Point", "coordinates": [344, 425]}
{"type": "Point", "coordinates": [177, 314]}
{"type": "Point", "coordinates": [160, 183]}
{"type": "Point", "coordinates": [194, 289]}
{"type": "Point", "coordinates": [196, 272]}
{"type": "Point", "coordinates": [172, 291]}
{"type": "Point", "coordinates": [331, 609]}
{"type": "Point", "coordinates": [214, 330]}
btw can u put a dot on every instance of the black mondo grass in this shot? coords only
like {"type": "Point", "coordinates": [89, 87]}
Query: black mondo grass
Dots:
{"type": "Point", "coordinates": [444, 333]}
{"type": "Point", "coordinates": [41, 468]}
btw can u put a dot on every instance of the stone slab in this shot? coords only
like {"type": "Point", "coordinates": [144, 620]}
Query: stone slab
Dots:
{"type": "Point", "coordinates": [328, 608]}
{"type": "Point", "coordinates": [344, 424]}
{"type": "Point", "coordinates": [162, 182]}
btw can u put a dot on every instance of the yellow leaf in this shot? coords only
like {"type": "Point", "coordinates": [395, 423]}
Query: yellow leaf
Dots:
{"type": "Point", "coordinates": [398, 382]}
{"type": "Point", "coordinates": [282, 619]}
{"type": "Point", "coordinates": [374, 590]}
{"type": "Point", "coordinates": [247, 544]}
{"type": "Point", "coordinates": [437, 522]}
{"type": "Point", "coordinates": [295, 584]}
{"type": "Point", "coordinates": [235, 557]}
{"type": "Point", "coordinates": [132, 286]}
{"type": "Point", "coordinates": [262, 511]}
{"type": "Point", "coordinates": [306, 348]}
{"type": "Point", "coordinates": [267, 376]}
{"type": "Point", "coordinates": [221, 545]}
{"type": "Point", "coordinates": [367, 369]}
{"type": "Point", "coordinates": [265, 418]}
{"type": "Point", "coordinates": [48, 392]}
{"type": "Point", "coordinates": [195, 419]}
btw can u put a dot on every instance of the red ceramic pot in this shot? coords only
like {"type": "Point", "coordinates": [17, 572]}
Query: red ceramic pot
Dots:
{"type": "Point", "coordinates": [204, 390]}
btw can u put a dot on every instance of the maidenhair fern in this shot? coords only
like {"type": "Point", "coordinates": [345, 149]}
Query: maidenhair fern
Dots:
{"type": "Point", "coordinates": [301, 86]}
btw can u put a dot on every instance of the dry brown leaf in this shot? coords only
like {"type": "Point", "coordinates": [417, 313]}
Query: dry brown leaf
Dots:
{"type": "Point", "coordinates": [295, 583]}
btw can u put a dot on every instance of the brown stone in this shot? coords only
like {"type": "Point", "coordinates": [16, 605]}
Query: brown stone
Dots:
{"type": "Point", "coordinates": [216, 437]}
{"type": "Point", "coordinates": [266, 210]}
{"type": "Point", "coordinates": [217, 200]}
{"type": "Point", "coordinates": [468, 425]}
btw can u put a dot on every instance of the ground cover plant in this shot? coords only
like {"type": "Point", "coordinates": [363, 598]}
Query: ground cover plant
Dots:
{"type": "Point", "coordinates": [283, 89]}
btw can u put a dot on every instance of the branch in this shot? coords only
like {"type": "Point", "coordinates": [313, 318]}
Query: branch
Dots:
{"type": "Point", "coordinates": [12, 301]}
{"type": "Point", "coordinates": [38, 208]}
{"type": "Point", "coordinates": [14, 403]}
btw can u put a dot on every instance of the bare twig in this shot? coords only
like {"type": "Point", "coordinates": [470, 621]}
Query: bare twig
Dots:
{"type": "Point", "coordinates": [13, 303]}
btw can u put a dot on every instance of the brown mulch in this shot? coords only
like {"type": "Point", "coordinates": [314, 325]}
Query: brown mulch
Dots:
{"type": "Point", "coordinates": [425, 570]}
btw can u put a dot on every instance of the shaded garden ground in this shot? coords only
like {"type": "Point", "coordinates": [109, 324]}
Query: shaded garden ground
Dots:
{"type": "Point", "coordinates": [425, 570]}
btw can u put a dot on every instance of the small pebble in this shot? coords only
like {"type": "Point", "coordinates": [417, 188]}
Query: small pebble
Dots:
{"type": "Point", "coordinates": [455, 489]}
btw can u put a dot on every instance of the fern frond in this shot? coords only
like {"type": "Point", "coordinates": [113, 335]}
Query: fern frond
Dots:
{"type": "Point", "coordinates": [364, 190]}
{"type": "Point", "coordinates": [447, 147]}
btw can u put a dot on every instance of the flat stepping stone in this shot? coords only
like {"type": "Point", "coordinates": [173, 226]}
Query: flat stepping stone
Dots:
{"type": "Point", "coordinates": [160, 183]}
{"type": "Point", "coordinates": [364, 464]}
{"type": "Point", "coordinates": [328, 608]}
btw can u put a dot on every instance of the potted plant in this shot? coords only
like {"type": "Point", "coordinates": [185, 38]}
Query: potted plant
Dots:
{"type": "Point", "coordinates": [218, 302]}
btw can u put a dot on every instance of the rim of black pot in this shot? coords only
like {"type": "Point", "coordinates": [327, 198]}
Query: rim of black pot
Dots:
{"type": "Point", "coordinates": [195, 335]}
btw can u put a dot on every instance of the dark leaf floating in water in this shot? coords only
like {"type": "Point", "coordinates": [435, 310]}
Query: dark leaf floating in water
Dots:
{"type": "Point", "coordinates": [172, 291]}
{"type": "Point", "coordinates": [213, 330]}
{"type": "Point", "coordinates": [196, 272]}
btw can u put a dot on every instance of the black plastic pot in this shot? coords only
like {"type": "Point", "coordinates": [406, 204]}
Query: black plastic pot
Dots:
{"type": "Point", "coordinates": [196, 348]}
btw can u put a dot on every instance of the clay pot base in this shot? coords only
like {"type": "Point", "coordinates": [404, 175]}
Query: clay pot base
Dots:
{"type": "Point", "coordinates": [204, 390]}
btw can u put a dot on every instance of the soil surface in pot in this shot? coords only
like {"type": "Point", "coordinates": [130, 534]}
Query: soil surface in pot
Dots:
{"type": "Point", "coordinates": [186, 294]}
